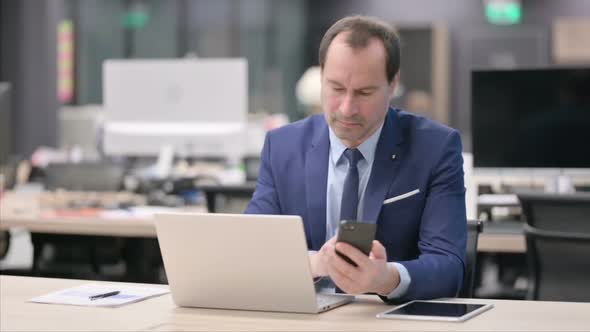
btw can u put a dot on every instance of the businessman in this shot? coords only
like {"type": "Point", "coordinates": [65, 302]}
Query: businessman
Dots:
{"type": "Point", "coordinates": [365, 160]}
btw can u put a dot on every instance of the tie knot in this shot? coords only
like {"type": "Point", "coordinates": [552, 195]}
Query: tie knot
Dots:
{"type": "Point", "coordinates": [353, 156]}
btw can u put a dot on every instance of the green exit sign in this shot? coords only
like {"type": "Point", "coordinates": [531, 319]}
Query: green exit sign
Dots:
{"type": "Point", "coordinates": [135, 19]}
{"type": "Point", "coordinates": [503, 11]}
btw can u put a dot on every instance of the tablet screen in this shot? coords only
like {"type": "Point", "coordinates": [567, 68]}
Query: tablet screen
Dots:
{"type": "Point", "coordinates": [420, 308]}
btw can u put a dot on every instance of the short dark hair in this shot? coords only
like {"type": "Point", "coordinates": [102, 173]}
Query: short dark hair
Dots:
{"type": "Point", "coordinates": [362, 29]}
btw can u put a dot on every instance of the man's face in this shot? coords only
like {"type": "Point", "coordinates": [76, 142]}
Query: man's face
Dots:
{"type": "Point", "coordinates": [355, 91]}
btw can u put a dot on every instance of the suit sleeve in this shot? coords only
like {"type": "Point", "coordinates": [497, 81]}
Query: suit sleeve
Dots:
{"type": "Point", "coordinates": [265, 199]}
{"type": "Point", "coordinates": [438, 271]}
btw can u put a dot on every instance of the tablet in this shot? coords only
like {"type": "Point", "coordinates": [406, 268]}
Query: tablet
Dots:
{"type": "Point", "coordinates": [436, 310]}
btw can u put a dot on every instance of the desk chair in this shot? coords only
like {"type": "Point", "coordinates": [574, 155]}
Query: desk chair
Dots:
{"type": "Point", "coordinates": [85, 176]}
{"type": "Point", "coordinates": [4, 243]}
{"type": "Point", "coordinates": [474, 227]}
{"type": "Point", "coordinates": [558, 245]}
{"type": "Point", "coordinates": [73, 256]}
{"type": "Point", "coordinates": [8, 177]}
{"type": "Point", "coordinates": [233, 198]}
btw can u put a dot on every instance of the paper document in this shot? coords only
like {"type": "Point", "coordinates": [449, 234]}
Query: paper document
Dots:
{"type": "Point", "coordinates": [82, 295]}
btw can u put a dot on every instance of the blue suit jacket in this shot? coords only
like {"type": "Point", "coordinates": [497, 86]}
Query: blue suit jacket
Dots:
{"type": "Point", "coordinates": [425, 232]}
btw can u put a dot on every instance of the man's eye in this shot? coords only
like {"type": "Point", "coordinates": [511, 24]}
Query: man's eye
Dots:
{"type": "Point", "coordinates": [365, 93]}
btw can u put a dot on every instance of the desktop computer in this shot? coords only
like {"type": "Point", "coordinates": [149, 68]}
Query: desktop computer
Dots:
{"type": "Point", "coordinates": [532, 122]}
{"type": "Point", "coordinates": [198, 107]}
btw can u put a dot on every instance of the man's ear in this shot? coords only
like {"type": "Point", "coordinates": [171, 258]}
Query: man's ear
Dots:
{"type": "Point", "coordinates": [393, 86]}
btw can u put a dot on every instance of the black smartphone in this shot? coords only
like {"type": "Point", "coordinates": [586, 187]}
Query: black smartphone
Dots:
{"type": "Point", "coordinates": [358, 234]}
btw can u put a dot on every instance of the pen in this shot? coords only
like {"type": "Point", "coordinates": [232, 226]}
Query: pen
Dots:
{"type": "Point", "coordinates": [101, 296]}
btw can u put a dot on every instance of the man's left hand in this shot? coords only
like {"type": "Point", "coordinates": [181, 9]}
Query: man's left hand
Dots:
{"type": "Point", "coordinates": [371, 275]}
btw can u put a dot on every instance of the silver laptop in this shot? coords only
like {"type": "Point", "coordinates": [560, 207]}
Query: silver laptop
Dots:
{"type": "Point", "coordinates": [235, 261]}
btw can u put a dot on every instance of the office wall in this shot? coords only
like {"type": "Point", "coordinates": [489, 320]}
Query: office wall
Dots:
{"type": "Point", "coordinates": [269, 33]}
{"type": "Point", "coordinates": [474, 42]}
{"type": "Point", "coordinates": [5, 107]}
{"type": "Point", "coordinates": [28, 61]}
{"type": "Point", "coordinates": [99, 38]}
{"type": "Point", "coordinates": [101, 34]}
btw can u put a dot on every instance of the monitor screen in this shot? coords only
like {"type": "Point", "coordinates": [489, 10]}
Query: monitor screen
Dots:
{"type": "Point", "coordinates": [533, 118]}
{"type": "Point", "coordinates": [198, 107]}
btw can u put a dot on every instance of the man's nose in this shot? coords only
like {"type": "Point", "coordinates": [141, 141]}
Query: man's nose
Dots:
{"type": "Point", "coordinates": [348, 106]}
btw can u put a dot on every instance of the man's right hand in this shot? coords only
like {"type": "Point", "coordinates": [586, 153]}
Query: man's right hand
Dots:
{"type": "Point", "coordinates": [319, 260]}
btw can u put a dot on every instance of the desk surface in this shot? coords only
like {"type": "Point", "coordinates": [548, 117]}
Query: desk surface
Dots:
{"type": "Point", "coordinates": [502, 236]}
{"type": "Point", "coordinates": [126, 227]}
{"type": "Point", "coordinates": [123, 226]}
{"type": "Point", "coordinates": [491, 240]}
{"type": "Point", "coordinates": [160, 314]}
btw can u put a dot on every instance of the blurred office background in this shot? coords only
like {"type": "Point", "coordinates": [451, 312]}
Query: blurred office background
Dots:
{"type": "Point", "coordinates": [278, 38]}
{"type": "Point", "coordinates": [52, 108]}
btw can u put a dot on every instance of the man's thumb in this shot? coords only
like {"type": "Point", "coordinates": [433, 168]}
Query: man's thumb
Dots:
{"type": "Point", "coordinates": [378, 251]}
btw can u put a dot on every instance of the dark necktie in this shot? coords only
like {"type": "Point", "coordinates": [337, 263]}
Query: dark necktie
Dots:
{"type": "Point", "coordinates": [350, 192]}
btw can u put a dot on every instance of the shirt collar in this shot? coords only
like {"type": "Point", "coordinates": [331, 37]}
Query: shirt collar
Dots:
{"type": "Point", "coordinates": [367, 148]}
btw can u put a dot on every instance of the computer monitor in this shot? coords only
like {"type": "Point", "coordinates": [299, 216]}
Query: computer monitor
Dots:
{"type": "Point", "coordinates": [5, 110]}
{"type": "Point", "coordinates": [79, 128]}
{"type": "Point", "coordinates": [531, 118]}
{"type": "Point", "coordinates": [198, 107]}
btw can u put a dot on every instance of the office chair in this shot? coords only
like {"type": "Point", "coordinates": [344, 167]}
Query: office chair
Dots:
{"type": "Point", "coordinates": [72, 256]}
{"type": "Point", "coordinates": [85, 176]}
{"type": "Point", "coordinates": [558, 245]}
{"type": "Point", "coordinates": [474, 227]}
{"type": "Point", "coordinates": [4, 243]}
{"type": "Point", "coordinates": [7, 179]}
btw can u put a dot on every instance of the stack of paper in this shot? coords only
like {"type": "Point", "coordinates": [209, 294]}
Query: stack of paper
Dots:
{"type": "Point", "coordinates": [82, 295]}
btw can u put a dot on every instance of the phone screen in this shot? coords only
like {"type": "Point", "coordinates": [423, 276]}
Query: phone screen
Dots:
{"type": "Point", "coordinates": [420, 308]}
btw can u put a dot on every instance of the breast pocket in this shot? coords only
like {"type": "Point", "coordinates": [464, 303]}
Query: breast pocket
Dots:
{"type": "Point", "coordinates": [399, 223]}
{"type": "Point", "coordinates": [403, 209]}
{"type": "Point", "coordinates": [401, 197]}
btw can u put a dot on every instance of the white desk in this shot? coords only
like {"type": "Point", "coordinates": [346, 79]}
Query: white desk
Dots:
{"type": "Point", "coordinates": [501, 243]}
{"type": "Point", "coordinates": [160, 314]}
{"type": "Point", "coordinates": [126, 226]}
{"type": "Point", "coordinates": [502, 237]}
{"type": "Point", "coordinates": [144, 227]}
{"type": "Point", "coordinates": [131, 227]}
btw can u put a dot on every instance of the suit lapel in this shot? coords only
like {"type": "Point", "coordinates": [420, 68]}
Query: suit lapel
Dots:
{"type": "Point", "coordinates": [316, 182]}
{"type": "Point", "coordinates": [385, 166]}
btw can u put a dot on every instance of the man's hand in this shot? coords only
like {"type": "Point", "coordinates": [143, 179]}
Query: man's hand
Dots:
{"type": "Point", "coordinates": [319, 260]}
{"type": "Point", "coordinates": [371, 275]}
